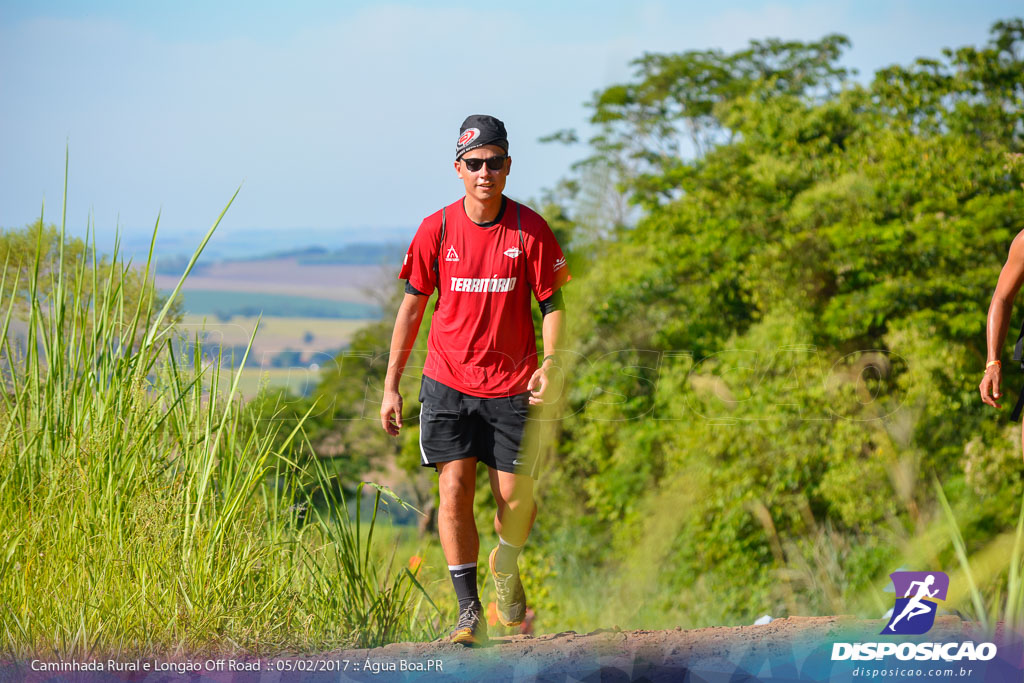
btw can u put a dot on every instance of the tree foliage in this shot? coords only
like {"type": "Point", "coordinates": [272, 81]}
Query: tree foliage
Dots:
{"type": "Point", "coordinates": [787, 344]}
{"type": "Point", "coordinates": [18, 251]}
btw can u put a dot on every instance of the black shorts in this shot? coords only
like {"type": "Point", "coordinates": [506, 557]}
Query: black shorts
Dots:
{"type": "Point", "coordinates": [454, 425]}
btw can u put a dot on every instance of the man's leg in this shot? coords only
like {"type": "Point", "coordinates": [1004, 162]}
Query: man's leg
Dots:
{"type": "Point", "coordinates": [446, 443]}
{"type": "Point", "coordinates": [513, 521]}
{"type": "Point", "coordinates": [505, 448]}
{"type": "Point", "coordinates": [517, 510]}
{"type": "Point", "coordinates": [455, 523]}
{"type": "Point", "coordinates": [461, 544]}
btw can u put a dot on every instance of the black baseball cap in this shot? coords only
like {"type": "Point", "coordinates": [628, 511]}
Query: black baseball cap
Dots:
{"type": "Point", "coordinates": [479, 130]}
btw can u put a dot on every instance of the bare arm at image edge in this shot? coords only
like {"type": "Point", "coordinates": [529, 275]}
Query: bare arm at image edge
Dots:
{"type": "Point", "coordinates": [407, 326]}
{"type": "Point", "coordinates": [1010, 279]}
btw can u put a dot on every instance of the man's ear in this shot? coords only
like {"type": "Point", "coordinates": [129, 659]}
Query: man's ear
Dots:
{"type": "Point", "coordinates": [508, 166]}
{"type": "Point", "coordinates": [458, 168]}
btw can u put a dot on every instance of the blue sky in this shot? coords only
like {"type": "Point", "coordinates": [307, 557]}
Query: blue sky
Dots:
{"type": "Point", "coordinates": [341, 118]}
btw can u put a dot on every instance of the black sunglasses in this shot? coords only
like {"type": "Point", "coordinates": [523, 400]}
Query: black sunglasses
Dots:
{"type": "Point", "coordinates": [493, 163]}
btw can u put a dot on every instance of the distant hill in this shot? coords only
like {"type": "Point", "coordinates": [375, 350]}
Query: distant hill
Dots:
{"type": "Point", "coordinates": [175, 265]}
{"type": "Point", "coordinates": [349, 255]}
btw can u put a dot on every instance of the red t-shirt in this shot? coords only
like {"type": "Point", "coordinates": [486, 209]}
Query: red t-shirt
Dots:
{"type": "Point", "coordinates": [482, 340]}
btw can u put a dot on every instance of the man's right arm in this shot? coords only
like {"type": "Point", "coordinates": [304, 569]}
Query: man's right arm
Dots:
{"type": "Point", "coordinates": [407, 326]}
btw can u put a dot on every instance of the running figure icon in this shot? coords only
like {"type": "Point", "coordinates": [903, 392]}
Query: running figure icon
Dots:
{"type": "Point", "coordinates": [918, 595]}
{"type": "Point", "coordinates": [916, 606]}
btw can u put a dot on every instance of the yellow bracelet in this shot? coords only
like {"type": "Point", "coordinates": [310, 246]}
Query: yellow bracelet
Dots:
{"type": "Point", "coordinates": [991, 363]}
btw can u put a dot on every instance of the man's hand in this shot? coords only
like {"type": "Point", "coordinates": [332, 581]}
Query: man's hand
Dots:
{"type": "Point", "coordinates": [989, 386]}
{"type": "Point", "coordinates": [537, 386]}
{"type": "Point", "coordinates": [391, 412]}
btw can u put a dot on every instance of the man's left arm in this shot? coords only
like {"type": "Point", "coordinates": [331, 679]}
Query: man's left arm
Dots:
{"type": "Point", "coordinates": [551, 327]}
{"type": "Point", "coordinates": [547, 272]}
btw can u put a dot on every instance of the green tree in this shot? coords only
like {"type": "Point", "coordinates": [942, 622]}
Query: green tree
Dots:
{"type": "Point", "coordinates": [671, 107]}
{"type": "Point", "coordinates": [18, 249]}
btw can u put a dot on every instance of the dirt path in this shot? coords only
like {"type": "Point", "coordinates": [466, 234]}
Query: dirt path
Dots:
{"type": "Point", "coordinates": [792, 649]}
{"type": "Point", "coordinates": [796, 648]}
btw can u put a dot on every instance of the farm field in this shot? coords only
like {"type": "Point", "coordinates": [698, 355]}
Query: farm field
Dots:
{"type": "Point", "coordinates": [309, 342]}
{"type": "Point", "coordinates": [309, 313]}
{"type": "Point", "coordinates": [349, 283]}
{"type": "Point", "coordinates": [223, 304]}
{"type": "Point", "coordinates": [308, 335]}
{"type": "Point", "coordinates": [297, 380]}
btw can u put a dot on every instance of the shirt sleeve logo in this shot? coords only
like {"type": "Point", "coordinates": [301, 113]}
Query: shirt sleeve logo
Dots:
{"type": "Point", "coordinates": [559, 263]}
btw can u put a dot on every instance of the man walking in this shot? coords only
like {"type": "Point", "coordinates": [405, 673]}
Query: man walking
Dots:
{"type": "Point", "coordinates": [484, 254]}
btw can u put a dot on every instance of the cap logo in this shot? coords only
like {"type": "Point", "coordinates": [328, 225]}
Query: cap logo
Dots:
{"type": "Point", "coordinates": [468, 136]}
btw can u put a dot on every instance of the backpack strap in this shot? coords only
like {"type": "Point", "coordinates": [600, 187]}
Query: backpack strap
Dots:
{"type": "Point", "coordinates": [522, 243]}
{"type": "Point", "coordinates": [1018, 349]}
{"type": "Point", "coordinates": [519, 227]}
{"type": "Point", "coordinates": [1017, 407]}
{"type": "Point", "coordinates": [437, 257]}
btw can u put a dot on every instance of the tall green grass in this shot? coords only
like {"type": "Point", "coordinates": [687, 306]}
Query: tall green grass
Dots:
{"type": "Point", "coordinates": [144, 511]}
{"type": "Point", "coordinates": [989, 605]}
